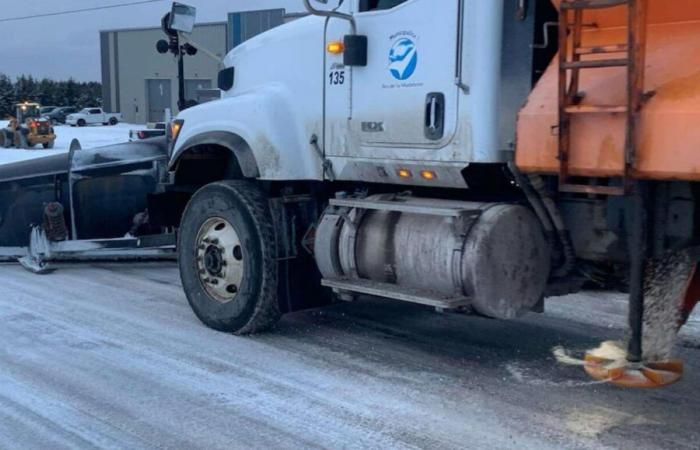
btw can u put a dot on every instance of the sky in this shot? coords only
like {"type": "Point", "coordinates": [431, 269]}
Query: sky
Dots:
{"type": "Point", "coordinates": [67, 46]}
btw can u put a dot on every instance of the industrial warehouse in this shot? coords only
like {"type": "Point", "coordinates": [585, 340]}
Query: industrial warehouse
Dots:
{"type": "Point", "coordinates": [141, 84]}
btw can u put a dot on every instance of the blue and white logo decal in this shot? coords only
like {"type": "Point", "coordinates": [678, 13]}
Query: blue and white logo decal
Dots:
{"type": "Point", "coordinates": [403, 59]}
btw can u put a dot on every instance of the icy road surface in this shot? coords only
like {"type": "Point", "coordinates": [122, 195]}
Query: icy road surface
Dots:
{"type": "Point", "coordinates": [110, 356]}
{"type": "Point", "coordinates": [89, 137]}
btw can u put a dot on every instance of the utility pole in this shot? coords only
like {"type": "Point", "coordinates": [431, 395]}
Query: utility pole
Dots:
{"type": "Point", "coordinates": [173, 46]}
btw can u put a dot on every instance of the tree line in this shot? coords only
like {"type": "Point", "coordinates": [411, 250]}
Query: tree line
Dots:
{"type": "Point", "coordinates": [47, 92]}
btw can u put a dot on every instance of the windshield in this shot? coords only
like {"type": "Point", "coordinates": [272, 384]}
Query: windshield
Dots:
{"type": "Point", "coordinates": [85, 111]}
{"type": "Point", "coordinates": [26, 111]}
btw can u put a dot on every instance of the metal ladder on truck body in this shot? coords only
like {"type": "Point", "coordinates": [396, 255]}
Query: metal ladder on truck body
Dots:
{"type": "Point", "coordinates": [571, 63]}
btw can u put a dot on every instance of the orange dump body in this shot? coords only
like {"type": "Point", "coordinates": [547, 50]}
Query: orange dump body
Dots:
{"type": "Point", "coordinates": [669, 139]}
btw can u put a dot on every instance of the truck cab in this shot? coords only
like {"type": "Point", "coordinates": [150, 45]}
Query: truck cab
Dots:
{"type": "Point", "coordinates": [434, 89]}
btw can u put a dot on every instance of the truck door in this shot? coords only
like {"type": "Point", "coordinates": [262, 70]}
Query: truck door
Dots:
{"type": "Point", "coordinates": [95, 116]}
{"type": "Point", "coordinates": [406, 96]}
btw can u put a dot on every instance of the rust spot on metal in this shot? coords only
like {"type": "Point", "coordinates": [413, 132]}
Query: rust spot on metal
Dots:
{"type": "Point", "coordinates": [680, 88]}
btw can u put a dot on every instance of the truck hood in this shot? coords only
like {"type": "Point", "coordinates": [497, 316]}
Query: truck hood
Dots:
{"type": "Point", "coordinates": [259, 60]}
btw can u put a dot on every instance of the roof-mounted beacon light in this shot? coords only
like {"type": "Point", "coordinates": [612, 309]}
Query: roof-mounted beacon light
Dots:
{"type": "Point", "coordinates": [182, 18]}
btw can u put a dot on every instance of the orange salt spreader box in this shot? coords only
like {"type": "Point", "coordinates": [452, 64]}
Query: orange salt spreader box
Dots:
{"type": "Point", "coordinates": [668, 130]}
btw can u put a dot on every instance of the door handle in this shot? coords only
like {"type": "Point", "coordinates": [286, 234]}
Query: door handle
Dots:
{"type": "Point", "coordinates": [435, 116]}
{"type": "Point", "coordinates": [521, 10]}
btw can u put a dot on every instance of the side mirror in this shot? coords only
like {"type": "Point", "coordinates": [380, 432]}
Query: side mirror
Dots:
{"type": "Point", "coordinates": [226, 78]}
{"type": "Point", "coordinates": [182, 18]}
{"type": "Point", "coordinates": [356, 49]}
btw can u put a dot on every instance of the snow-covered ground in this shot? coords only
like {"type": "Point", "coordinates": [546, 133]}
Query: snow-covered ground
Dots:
{"type": "Point", "coordinates": [111, 356]}
{"type": "Point", "coordinates": [89, 137]}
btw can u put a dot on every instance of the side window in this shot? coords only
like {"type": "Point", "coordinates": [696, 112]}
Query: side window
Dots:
{"type": "Point", "coordinates": [95, 111]}
{"type": "Point", "coordinates": [376, 5]}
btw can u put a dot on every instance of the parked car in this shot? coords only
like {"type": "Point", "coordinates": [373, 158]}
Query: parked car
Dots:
{"type": "Point", "coordinates": [44, 110]}
{"type": "Point", "coordinates": [59, 115]}
{"type": "Point", "coordinates": [152, 130]}
{"type": "Point", "coordinates": [92, 116]}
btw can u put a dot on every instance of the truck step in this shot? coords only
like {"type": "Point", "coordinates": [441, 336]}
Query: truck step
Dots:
{"type": "Point", "coordinates": [602, 49]}
{"type": "Point", "coordinates": [412, 208]}
{"type": "Point", "coordinates": [592, 4]}
{"type": "Point", "coordinates": [596, 63]}
{"type": "Point", "coordinates": [594, 109]}
{"type": "Point", "coordinates": [387, 290]}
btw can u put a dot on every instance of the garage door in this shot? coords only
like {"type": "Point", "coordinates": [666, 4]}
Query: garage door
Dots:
{"type": "Point", "coordinates": [159, 98]}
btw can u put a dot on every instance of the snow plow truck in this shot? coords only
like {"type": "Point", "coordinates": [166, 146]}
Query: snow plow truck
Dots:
{"type": "Point", "coordinates": [471, 156]}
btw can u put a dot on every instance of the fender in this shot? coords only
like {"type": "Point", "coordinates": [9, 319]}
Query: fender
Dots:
{"type": "Point", "coordinates": [263, 130]}
{"type": "Point", "coordinates": [240, 149]}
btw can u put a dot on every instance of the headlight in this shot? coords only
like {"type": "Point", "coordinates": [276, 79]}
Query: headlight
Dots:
{"type": "Point", "coordinates": [174, 131]}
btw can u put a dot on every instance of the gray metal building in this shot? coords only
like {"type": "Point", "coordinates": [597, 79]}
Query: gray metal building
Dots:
{"type": "Point", "coordinates": [140, 83]}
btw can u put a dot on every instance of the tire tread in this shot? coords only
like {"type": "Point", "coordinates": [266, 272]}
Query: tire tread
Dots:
{"type": "Point", "coordinates": [267, 312]}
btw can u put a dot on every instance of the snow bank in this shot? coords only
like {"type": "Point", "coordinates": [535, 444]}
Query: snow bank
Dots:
{"type": "Point", "coordinates": [89, 137]}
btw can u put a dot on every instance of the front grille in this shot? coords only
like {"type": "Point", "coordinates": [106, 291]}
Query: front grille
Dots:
{"type": "Point", "coordinates": [43, 130]}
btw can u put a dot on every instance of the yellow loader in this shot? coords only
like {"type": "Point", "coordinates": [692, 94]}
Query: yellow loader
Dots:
{"type": "Point", "coordinates": [27, 129]}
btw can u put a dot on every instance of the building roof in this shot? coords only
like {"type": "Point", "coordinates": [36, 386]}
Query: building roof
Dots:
{"type": "Point", "coordinates": [122, 30]}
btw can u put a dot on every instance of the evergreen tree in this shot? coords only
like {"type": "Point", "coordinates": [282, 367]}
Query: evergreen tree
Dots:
{"type": "Point", "coordinates": [26, 89]}
{"type": "Point", "coordinates": [7, 96]}
{"type": "Point", "coordinates": [72, 93]}
{"type": "Point", "coordinates": [47, 92]}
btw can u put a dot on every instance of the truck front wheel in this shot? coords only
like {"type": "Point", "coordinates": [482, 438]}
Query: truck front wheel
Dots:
{"type": "Point", "coordinates": [227, 258]}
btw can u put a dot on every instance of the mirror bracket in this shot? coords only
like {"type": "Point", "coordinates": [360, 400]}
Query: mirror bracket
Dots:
{"type": "Point", "coordinates": [331, 14]}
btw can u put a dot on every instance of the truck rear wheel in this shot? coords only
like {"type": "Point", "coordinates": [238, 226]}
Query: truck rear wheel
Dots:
{"type": "Point", "coordinates": [227, 258]}
{"type": "Point", "coordinates": [113, 121]}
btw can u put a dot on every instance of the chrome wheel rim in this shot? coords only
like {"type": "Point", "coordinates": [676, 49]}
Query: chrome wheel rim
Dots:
{"type": "Point", "coordinates": [220, 261]}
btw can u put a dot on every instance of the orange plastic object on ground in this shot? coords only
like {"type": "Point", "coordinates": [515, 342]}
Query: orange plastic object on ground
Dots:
{"type": "Point", "coordinates": [647, 375]}
{"type": "Point", "coordinates": [669, 146]}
